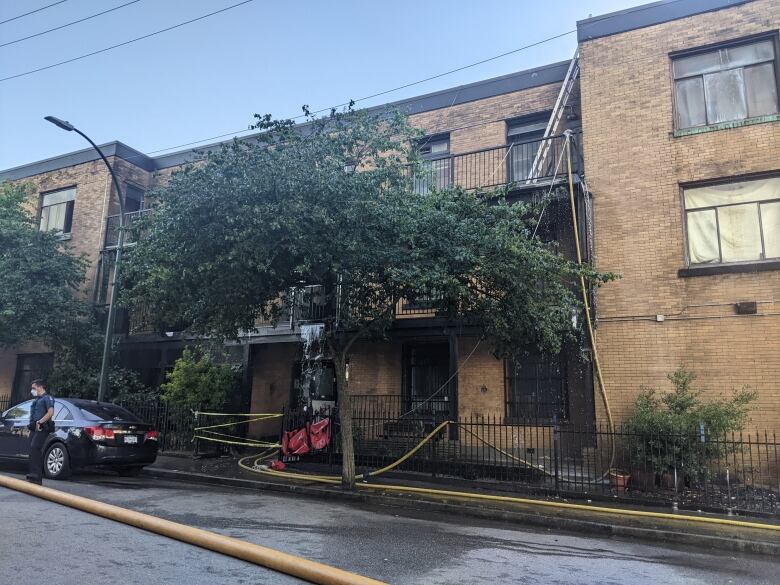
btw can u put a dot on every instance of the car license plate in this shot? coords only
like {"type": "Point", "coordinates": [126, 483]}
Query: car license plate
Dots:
{"type": "Point", "coordinates": [131, 439]}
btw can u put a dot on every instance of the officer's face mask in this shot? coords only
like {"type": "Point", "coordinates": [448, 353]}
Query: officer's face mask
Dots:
{"type": "Point", "coordinates": [33, 392]}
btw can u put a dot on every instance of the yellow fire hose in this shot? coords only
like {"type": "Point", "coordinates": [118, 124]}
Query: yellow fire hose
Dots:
{"type": "Point", "coordinates": [258, 459]}
{"type": "Point", "coordinates": [300, 567]}
{"type": "Point", "coordinates": [335, 480]}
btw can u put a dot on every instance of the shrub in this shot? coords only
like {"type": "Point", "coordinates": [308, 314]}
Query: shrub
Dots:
{"type": "Point", "coordinates": [678, 430]}
{"type": "Point", "coordinates": [197, 381]}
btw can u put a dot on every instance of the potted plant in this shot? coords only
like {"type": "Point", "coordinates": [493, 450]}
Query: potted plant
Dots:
{"type": "Point", "coordinates": [668, 435]}
{"type": "Point", "coordinates": [619, 479]}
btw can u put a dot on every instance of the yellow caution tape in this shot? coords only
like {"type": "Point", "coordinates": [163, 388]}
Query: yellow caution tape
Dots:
{"type": "Point", "coordinates": [240, 422]}
{"type": "Point", "coordinates": [197, 412]}
{"type": "Point", "coordinates": [243, 443]}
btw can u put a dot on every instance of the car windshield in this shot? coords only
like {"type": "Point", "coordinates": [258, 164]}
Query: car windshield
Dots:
{"type": "Point", "coordinates": [106, 412]}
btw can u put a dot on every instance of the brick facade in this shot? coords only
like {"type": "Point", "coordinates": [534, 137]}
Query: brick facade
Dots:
{"type": "Point", "coordinates": [635, 168]}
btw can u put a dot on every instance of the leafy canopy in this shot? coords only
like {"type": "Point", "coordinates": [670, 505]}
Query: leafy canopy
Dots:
{"type": "Point", "coordinates": [78, 350]}
{"type": "Point", "coordinates": [332, 203]}
{"type": "Point", "coordinates": [40, 276]}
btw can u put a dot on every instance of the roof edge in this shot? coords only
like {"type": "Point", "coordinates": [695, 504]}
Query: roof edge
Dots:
{"type": "Point", "coordinates": [461, 94]}
{"type": "Point", "coordinates": [647, 15]}
{"type": "Point", "coordinates": [114, 148]}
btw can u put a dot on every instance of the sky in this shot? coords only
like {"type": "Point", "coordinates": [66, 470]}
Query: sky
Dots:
{"type": "Point", "coordinates": [208, 78]}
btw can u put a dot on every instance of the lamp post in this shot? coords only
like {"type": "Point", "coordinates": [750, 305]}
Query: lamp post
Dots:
{"type": "Point", "coordinates": [117, 263]}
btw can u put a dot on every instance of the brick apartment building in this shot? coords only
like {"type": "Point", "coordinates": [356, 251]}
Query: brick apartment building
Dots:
{"type": "Point", "coordinates": [676, 125]}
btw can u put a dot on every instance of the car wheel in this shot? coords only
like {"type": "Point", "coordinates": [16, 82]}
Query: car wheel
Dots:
{"type": "Point", "coordinates": [129, 471]}
{"type": "Point", "coordinates": [56, 462]}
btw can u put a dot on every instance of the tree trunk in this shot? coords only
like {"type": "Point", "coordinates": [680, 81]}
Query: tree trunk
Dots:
{"type": "Point", "coordinates": [345, 416]}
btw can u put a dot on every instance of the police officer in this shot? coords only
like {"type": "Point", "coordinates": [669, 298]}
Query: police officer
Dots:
{"type": "Point", "coordinates": [40, 426]}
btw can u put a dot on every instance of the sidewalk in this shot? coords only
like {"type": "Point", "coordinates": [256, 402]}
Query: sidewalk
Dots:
{"type": "Point", "coordinates": [226, 472]}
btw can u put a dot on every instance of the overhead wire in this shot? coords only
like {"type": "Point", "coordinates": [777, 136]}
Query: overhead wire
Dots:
{"type": "Point", "coordinates": [33, 11]}
{"type": "Point", "coordinates": [241, 131]}
{"type": "Point", "coordinates": [378, 94]}
{"type": "Point", "coordinates": [135, 40]}
{"type": "Point", "coordinates": [90, 17]}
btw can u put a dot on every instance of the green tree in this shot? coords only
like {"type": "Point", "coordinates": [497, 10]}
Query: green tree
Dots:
{"type": "Point", "coordinates": [332, 203]}
{"type": "Point", "coordinates": [40, 276]}
{"type": "Point", "coordinates": [78, 349]}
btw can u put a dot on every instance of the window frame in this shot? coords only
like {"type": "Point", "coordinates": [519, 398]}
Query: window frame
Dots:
{"type": "Point", "coordinates": [135, 186]}
{"type": "Point", "coordinates": [539, 421]}
{"type": "Point", "coordinates": [422, 185]}
{"type": "Point", "coordinates": [72, 204]}
{"type": "Point", "coordinates": [772, 35]}
{"type": "Point", "coordinates": [513, 142]}
{"type": "Point", "coordinates": [705, 268]}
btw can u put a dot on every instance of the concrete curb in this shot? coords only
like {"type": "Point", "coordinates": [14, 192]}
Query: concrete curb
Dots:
{"type": "Point", "coordinates": [655, 530]}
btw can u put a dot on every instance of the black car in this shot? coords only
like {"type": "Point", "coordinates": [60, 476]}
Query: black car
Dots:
{"type": "Point", "coordinates": [87, 433]}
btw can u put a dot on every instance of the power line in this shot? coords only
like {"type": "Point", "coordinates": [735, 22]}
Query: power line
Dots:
{"type": "Point", "coordinates": [68, 24]}
{"type": "Point", "coordinates": [381, 93]}
{"type": "Point", "coordinates": [126, 42]}
{"type": "Point", "coordinates": [602, 18]}
{"type": "Point", "coordinates": [33, 11]}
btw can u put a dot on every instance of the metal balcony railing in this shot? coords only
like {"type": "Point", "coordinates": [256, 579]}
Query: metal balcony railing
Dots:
{"type": "Point", "coordinates": [518, 163]}
{"type": "Point", "coordinates": [112, 228]}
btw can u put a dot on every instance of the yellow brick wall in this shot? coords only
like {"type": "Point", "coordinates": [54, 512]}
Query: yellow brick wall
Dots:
{"type": "Point", "coordinates": [482, 123]}
{"type": "Point", "coordinates": [272, 370]}
{"type": "Point", "coordinates": [375, 368]}
{"type": "Point", "coordinates": [634, 168]}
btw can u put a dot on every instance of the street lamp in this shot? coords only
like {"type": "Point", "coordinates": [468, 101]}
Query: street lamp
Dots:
{"type": "Point", "coordinates": [119, 245]}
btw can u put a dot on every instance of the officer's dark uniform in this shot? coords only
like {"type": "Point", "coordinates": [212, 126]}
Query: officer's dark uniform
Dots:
{"type": "Point", "coordinates": [40, 407]}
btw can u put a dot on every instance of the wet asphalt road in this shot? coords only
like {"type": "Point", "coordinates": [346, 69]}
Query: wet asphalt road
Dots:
{"type": "Point", "coordinates": [77, 548]}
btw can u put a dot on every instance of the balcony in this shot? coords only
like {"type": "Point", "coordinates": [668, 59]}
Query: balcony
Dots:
{"type": "Point", "coordinates": [519, 163]}
{"type": "Point", "coordinates": [112, 228]}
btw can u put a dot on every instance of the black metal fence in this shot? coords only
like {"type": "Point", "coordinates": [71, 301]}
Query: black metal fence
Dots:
{"type": "Point", "coordinates": [691, 469]}
{"type": "Point", "coordinates": [174, 423]}
{"type": "Point", "coordinates": [5, 403]}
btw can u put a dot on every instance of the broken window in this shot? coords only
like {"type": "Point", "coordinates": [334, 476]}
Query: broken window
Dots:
{"type": "Point", "coordinates": [733, 222]}
{"type": "Point", "coordinates": [726, 84]}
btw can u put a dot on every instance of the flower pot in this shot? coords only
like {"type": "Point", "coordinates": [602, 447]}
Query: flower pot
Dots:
{"type": "Point", "coordinates": [619, 481]}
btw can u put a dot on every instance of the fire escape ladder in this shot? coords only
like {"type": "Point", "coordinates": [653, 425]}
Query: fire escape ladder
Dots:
{"type": "Point", "coordinates": [556, 118]}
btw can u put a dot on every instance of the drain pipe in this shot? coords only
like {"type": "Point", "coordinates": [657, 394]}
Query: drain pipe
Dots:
{"type": "Point", "coordinates": [246, 551]}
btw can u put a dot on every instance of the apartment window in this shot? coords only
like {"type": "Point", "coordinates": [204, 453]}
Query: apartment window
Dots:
{"type": "Point", "coordinates": [524, 136]}
{"type": "Point", "coordinates": [733, 222]}
{"type": "Point", "coordinates": [134, 198]}
{"type": "Point", "coordinates": [726, 84]}
{"type": "Point", "coordinates": [436, 166]}
{"type": "Point", "coordinates": [57, 211]}
{"type": "Point", "coordinates": [426, 377]}
{"type": "Point", "coordinates": [536, 388]}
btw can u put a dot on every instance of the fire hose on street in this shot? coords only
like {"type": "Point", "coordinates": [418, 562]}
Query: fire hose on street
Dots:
{"type": "Point", "coordinates": [300, 567]}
